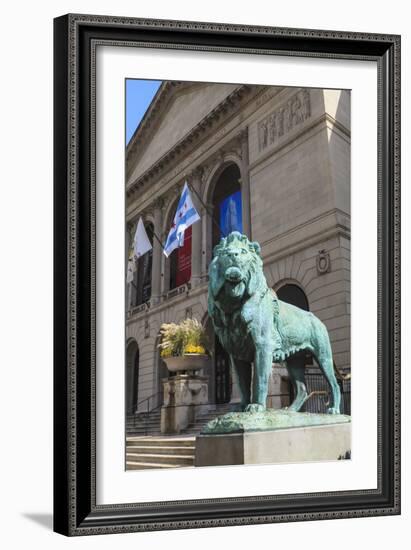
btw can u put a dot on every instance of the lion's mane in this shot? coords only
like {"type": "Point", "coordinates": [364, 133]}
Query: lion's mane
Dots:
{"type": "Point", "coordinates": [252, 272]}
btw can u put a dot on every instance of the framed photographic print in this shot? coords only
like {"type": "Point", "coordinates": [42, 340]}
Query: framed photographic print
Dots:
{"type": "Point", "coordinates": [226, 275]}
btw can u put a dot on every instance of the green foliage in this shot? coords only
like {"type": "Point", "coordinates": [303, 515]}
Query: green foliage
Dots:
{"type": "Point", "coordinates": [186, 337]}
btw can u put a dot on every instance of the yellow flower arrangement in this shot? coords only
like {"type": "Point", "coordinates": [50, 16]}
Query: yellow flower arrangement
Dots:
{"type": "Point", "coordinates": [186, 337]}
{"type": "Point", "coordinates": [194, 349]}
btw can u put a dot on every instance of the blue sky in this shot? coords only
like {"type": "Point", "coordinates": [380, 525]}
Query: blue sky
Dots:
{"type": "Point", "coordinates": [139, 94]}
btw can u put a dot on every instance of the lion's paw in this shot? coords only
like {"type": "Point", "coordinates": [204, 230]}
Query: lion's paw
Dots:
{"type": "Point", "coordinates": [333, 410]}
{"type": "Point", "coordinates": [254, 407]}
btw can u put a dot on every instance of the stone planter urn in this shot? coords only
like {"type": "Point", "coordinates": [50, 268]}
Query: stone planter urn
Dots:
{"type": "Point", "coordinates": [185, 392]}
{"type": "Point", "coordinates": [189, 362]}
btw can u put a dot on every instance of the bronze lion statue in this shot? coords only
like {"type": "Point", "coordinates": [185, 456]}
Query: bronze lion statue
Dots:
{"type": "Point", "coordinates": [256, 328]}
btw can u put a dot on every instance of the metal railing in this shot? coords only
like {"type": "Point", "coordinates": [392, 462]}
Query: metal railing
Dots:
{"type": "Point", "coordinates": [144, 307]}
{"type": "Point", "coordinates": [148, 400]}
{"type": "Point", "coordinates": [135, 310]}
{"type": "Point", "coordinates": [144, 408]}
{"type": "Point", "coordinates": [142, 420]}
{"type": "Point", "coordinates": [182, 289]}
{"type": "Point", "coordinates": [319, 394]}
{"type": "Point", "coordinates": [317, 402]}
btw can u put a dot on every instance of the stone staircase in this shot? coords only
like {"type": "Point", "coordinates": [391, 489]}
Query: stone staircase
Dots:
{"type": "Point", "coordinates": [145, 424]}
{"type": "Point", "coordinates": [147, 448]}
{"type": "Point", "coordinates": [202, 420]}
{"type": "Point", "coordinates": [143, 453]}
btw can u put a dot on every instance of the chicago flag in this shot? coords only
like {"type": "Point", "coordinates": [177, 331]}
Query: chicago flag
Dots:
{"type": "Point", "coordinates": [186, 215]}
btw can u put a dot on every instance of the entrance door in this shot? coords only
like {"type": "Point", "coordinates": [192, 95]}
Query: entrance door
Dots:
{"type": "Point", "coordinates": [133, 357]}
{"type": "Point", "coordinates": [222, 374]}
{"type": "Point", "coordinates": [294, 295]}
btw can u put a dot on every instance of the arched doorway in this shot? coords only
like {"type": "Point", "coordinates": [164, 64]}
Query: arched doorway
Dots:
{"type": "Point", "coordinates": [293, 294]}
{"type": "Point", "coordinates": [313, 378]}
{"type": "Point", "coordinates": [220, 381]}
{"type": "Point", "coordinates": [222, 369]}
{"type": "Point", "coordinates": [132, 373]}
{"type": "Point", "coordinates": [227, 217]}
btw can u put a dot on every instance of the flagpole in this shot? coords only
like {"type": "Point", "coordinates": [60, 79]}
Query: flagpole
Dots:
{"type": "Point", "coordinates": [158, 240]}
{"type": "Point", "coordinates": [206, 209]}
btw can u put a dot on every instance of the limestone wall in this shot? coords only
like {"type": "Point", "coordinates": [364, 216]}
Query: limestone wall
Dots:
{"type": "Point", "coordinates": [298, 165]}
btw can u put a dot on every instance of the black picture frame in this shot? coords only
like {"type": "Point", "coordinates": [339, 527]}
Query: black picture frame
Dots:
{"type": "Point", "coordinates": [75, 509]}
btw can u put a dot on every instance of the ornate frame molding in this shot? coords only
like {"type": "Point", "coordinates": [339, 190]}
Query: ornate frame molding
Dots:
{"type": "Point", "coordinates": [76, 512]}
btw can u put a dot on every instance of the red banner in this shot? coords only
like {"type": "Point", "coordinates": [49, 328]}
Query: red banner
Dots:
{"type": "Point", "coordinates": [184, 260]}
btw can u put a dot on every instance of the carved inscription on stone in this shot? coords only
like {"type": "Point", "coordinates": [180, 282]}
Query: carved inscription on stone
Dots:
{"type": "Point", "coordinates": [284, 119]}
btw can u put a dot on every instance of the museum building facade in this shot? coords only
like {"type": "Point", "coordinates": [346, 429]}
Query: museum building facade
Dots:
{"type": "Point", "coordinates": [272, 162]}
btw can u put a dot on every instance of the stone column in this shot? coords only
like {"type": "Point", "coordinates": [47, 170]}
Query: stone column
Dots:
{"type": "Point", "coordinates": [245, 183]}
{"type": "Point", "coordinates": [170, 200]}
{"type": "Point", "coordinates": [165, 270]}
{"type": "Point", "coordinates": [196, 235]}
{"type": "Point", "coordinates": [208, 236]}
{"type": "Point", "coordinates": [157, 253]}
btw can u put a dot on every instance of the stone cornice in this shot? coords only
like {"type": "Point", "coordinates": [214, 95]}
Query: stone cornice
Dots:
{"type": "Point", "coordinates": [325, 226]}
{"type": "Point", "coordinates": [188, 142]}
{"type": "Point", "coordinates": [196, 174]}
{"type": "Point", "coordinates": [201, 170]}
{"type": "Point", "coordinates": [159, 102]}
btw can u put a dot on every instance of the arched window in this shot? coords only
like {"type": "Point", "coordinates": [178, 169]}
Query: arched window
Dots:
{"type": "Point", "coordinates": [180, 262]}
{"type": "Point", "coordinates": [227, 204]}
{"type": "Point", "coordinates": [180, 259]}
{"type": "Point", "coordinates": [132, 373]}
{"type": "Point", "coordinates": [143, 273]}
{"type": "Point", "coordinates": [293, 294]}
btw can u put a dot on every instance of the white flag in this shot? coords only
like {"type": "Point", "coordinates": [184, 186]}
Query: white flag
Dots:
{"type": "Point", "coordinates": [131, 267]}
{"type": "Point", "coordinates": [141, 241]}
{"type": "Point", "coordinates": [131, 264]}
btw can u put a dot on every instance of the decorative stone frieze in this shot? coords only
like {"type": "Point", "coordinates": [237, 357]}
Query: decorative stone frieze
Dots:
{"type": "Point", "coordinates": [285, 118]}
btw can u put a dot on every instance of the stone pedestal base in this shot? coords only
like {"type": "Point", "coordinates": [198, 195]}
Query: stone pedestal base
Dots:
{"type": "Point", "coordinates": [306, 444]}
{"type": "Point", "coordinates": [185, 397]}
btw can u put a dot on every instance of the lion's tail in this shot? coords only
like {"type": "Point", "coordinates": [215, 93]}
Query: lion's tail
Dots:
{"type": "Point", "coordinates": [339, 374]}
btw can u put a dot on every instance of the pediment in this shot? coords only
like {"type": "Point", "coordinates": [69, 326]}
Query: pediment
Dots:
{"type": "Point", "coordinates": [170, 121]}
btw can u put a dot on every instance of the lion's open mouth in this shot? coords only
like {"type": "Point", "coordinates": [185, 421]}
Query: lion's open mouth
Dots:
{"type": "Point", "coordinates": [234, 286]}
{"type": "Point", "coordinates": [233, 275]}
